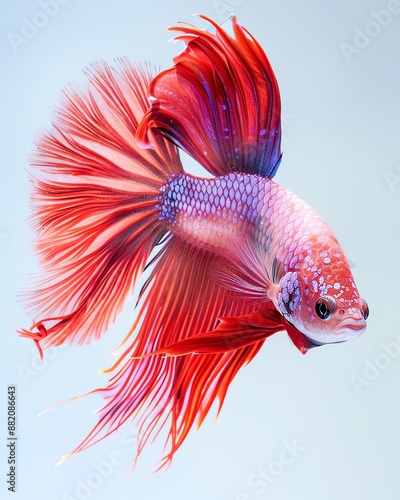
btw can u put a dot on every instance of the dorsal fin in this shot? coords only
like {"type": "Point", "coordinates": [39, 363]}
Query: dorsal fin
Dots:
{"type": "Point", "coordinates": [220, 102]}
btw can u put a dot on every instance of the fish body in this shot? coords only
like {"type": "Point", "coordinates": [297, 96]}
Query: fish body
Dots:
{"type": "Point", "coordinates": [239, 257]}
{"type": "Point", "coordinates": [226, 214]}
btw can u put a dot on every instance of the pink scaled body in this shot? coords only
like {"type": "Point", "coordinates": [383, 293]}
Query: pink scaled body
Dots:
{"type": "Point", "coordinates": [239, 213]}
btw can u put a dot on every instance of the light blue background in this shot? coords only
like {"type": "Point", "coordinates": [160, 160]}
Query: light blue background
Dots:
{"type": "Point", "coordinates": [341, 138]}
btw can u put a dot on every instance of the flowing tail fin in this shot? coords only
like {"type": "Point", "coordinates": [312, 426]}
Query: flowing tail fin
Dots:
{"type": "Point", "coordinates": [95, 205]}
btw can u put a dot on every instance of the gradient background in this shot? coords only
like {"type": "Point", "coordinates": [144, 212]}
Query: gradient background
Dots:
{"type": "Point", "coordinates": [341, 154]}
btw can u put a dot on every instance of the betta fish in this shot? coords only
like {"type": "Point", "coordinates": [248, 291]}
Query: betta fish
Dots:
{"type": "Point", "coordinates": [228, 260]}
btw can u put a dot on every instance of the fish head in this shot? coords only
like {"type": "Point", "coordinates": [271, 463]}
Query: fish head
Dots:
{"type": "Point", "coordinates": [322, 301]}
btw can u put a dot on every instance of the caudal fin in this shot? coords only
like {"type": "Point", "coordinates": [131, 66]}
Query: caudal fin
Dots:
{"type": "Point", "coordinates": [95, 205]}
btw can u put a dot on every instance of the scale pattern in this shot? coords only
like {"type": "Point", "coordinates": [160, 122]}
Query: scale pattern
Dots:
{"type": "Point", "coordinates": [215, 213]}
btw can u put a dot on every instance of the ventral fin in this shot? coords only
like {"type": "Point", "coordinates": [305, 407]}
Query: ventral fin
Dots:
{"type": "Point", "coordinates": [232, 333]}
{"type": "Point", "coordinates": [302, 343]}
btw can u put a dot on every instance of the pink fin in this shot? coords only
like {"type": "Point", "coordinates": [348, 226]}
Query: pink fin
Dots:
{"type": "Point", "coordinates": [220, 102]}
{"type": "Point", "coordinates": [95, 196]}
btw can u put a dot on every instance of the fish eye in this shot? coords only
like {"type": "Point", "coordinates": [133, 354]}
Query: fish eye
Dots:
{"type": "Point", "coordinates": [325, 307]}
{"type": "Point", "coordinates": [365, 309]}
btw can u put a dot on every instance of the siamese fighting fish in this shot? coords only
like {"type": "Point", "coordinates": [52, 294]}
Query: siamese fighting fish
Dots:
{"type": "Point", "coordinates": [218, 264]}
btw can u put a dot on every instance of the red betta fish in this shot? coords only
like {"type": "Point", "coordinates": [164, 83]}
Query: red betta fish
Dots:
{"type": "Point", "coordinates": [238, 257]}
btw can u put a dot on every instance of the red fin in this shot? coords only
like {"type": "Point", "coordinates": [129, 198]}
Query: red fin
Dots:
{"type": "Point", "coordinates": [299, 340]}
{"type": "Point", "coordinates": [179, 301]}
{"type": "Point", "coordinates": [95, 196]}
{"type": "Point", "coordinates": [220, 102]}
{"type": "Point", "coordinates": [232, 333]}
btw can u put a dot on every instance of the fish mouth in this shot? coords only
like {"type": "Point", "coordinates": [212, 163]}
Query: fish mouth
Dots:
{"type": "Point", "coordinates": [352, 327]}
